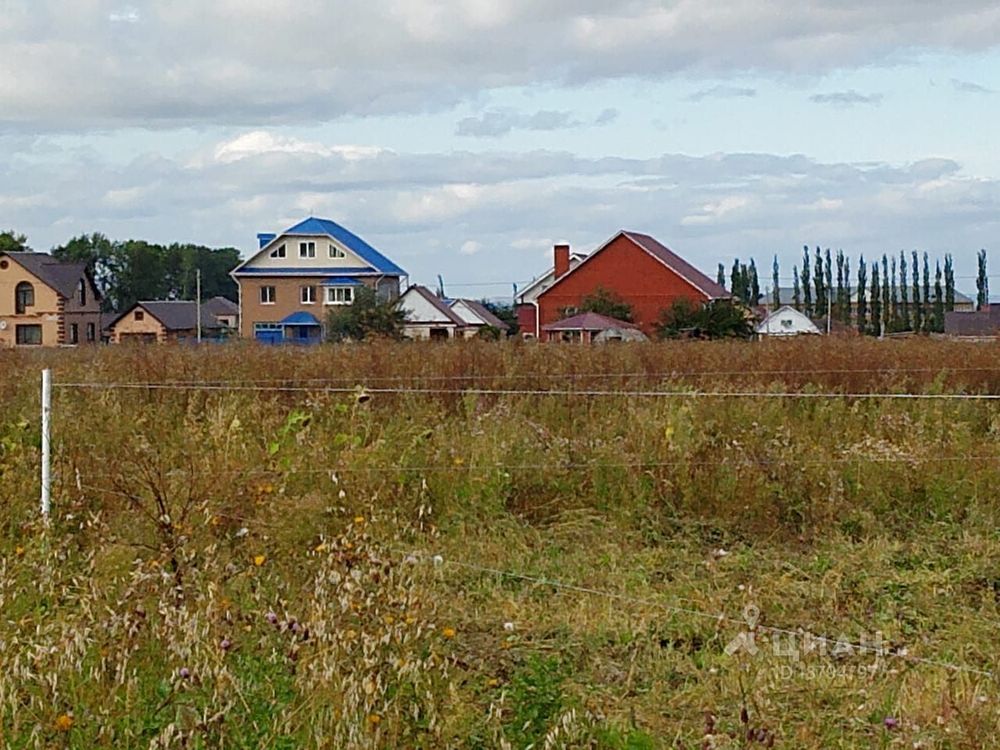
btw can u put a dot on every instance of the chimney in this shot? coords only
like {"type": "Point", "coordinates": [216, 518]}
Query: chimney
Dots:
{"type": "Point", "coordinates": [561, 255]}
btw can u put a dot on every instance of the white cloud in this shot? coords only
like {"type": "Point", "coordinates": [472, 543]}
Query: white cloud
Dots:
{"type": "Point", "coordinates": [470, 247]}
{"type": "Point", "coordinates": [99, 64]}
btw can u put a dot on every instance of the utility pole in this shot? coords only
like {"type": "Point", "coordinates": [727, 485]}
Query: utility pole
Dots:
{"type": "Point", "coordinates": [197, 285]}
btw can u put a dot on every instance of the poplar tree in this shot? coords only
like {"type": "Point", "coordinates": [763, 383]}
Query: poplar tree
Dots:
{"type": "Point", "coordinates": [806, 283]}
{"type": "Point", "coordinates": [917, 305]}
{"type": "Point", "coordinates": [949, 283]}
{"type": "Point", "coordinates": [894, 297]}
{"type": "Point", "coordinates": [927, 294]}
{"type": "Point", "coordinates": [819, 281]}
{"type": "Point", "coordinates": [847, 290]}
{"type": "Point", "coordinates": [796, 288]}
{"type": "Point", "coordinates": [829, 274]}
{"type": "Point", "coordinates": [982, 282]}
{"type": "Point", "coordinates": [938, 300]}
{"type": "Point", "coordinates": [776, 288]}
{"type": "Point", "coordinates": [904, 291]}
{"type": "Point", "coordinates": [721, 277]}
{"type": "Point", "coordinates": [754, 283]}
{"type": "Point", "coordinates": [840, 285]}
{"type": "Point", "coordinates": [862, 290]}
{"type": "Point", "coordinates": [876, 302]}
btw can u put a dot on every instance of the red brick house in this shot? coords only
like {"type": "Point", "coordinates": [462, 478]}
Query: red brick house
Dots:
{"type": "Point", "coordinates": [632, 266]}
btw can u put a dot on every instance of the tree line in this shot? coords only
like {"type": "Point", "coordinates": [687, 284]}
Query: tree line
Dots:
{"type": "Point", "coordinates": [890, 295]}
{"type": "Point", "coordinates": [126, 271]}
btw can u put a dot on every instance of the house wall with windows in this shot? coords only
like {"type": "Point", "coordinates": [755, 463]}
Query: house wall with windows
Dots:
{"type": "Point", "coordinates": [286, 297]}
{"type": "Point", "coordinates": [138, 325]}
{"type": "Point", "coordinates": [39, 323]}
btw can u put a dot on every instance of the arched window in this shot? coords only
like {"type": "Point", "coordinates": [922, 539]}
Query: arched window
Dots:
{"type": "Point", "coordinates": [24, 297]}
{"type": "Point", "coordinates": [81, 292]}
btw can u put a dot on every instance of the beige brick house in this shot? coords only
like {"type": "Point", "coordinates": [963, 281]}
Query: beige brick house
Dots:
{"type": "Point", "coordinates": [46, 302]}
{"type": "Point", "coordinates": [289, 285]}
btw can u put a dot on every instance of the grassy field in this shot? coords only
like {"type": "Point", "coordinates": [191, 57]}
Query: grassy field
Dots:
{"type": "Point", "coordinates": [406, 546]}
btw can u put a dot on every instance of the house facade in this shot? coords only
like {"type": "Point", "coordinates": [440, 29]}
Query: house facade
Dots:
{"type": "Point", "coordinates": [525, 302]}
{"type": "Point", "coordinates": [162, 321]}
{"type": "Point", "coordinates": [46, 302]}
{"type": "Point", "coordinates": [428, 317]}
{"type": "Point", "coordinates": [632, 266]}
{"type": "Point", "coordinates": [786, 321]}
{"type": "Point", "coordinates": [296, 276]}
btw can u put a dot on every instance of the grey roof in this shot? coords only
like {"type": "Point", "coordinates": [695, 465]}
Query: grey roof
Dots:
{"type": "Point", "coordinates": [677, 264]}
{"type": "Point", "coordinates": [588, 321]}
{"type": "Point", "coordinates": [220, 306]}
{"type": "Point", "coordinates": [484, 312]}
{"type": "Point", "coordinates": [175, 315]}
{"type": "Point", "coordinates": [62, 276]}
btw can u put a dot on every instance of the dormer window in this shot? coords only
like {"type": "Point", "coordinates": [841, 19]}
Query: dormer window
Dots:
{"type": "Point", "coordinates": [279, 251]}
{"type": "Point", "coordinates": [336, 252]}
{"type": "Point", "coordinates": [307, 249]}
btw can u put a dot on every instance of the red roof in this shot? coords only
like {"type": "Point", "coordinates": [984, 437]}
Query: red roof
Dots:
{"type": "Point", "coordinates": [588, 321]}
{"type": "Point", "coordinates": [678, 265]}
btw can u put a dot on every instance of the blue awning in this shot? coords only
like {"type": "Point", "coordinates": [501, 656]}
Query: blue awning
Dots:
{"type": "Point", "coordinates": [341, 281]}
{"type": "Point", "coordinates": [300, 319]}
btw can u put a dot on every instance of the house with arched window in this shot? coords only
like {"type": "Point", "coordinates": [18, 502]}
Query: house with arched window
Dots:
{"type": "Point", "coordinates": [46, 302]}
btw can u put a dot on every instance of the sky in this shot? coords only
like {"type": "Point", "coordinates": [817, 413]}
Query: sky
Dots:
{"type": "Point", "coordinates": [465, 137]}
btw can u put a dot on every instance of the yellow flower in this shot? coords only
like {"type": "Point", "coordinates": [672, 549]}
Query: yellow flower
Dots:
{"type": "Point", "coordinates": [19, 551]}
{"type": "Point", "coordinates": [359, 520]}
{"type": "Point", "coordinates": [321, 547]}
{"type": "Point", "coordinates": [374, 719]}
{"type": "Point", "coordinates": [389, 619]}
{"type": "Point", "coordinates": [410, 619]}
{"type": "Point", "coordinates": [64, 723]}
{"type": "Point", "coordinates": [216, 520]}
{"type": "Point", "coordinates": [458, 461]}
{"type": "Point", "coordinates": [448, 632]}
{"type": "Point", "coordinates": [258, 560]}
{"type": "Point", "coordinates": [493, 682]}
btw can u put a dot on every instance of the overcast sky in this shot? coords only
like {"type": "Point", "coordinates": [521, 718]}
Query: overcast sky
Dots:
{"type": "Point", "coordinates": [464, 137]}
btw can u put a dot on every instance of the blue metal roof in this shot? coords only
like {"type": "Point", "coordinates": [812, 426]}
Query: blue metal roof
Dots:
{"type": "Point", "coordinates": [300, 319]}
{"type": "Point", "coordinates": [263, 238]}
{"type": "Point", "coordinates": [369, 254]}
{"type": "Point", "coordinates": [341, 281]}
{"type": "Point", "coordinates": [286, 271]}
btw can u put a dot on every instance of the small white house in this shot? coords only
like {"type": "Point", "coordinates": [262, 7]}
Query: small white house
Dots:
{"type": "Point", "coordinates": [786, 321]}
{"type": "Point", "coordinates": [428, 317]}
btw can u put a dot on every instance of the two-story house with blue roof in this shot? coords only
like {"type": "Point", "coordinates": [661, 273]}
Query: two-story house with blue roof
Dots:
{"type": "Point", "coordinates": [288, 286]}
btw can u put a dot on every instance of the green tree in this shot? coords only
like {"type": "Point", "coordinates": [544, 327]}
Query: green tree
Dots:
{"type": "Point", "coordinates": [796, 288]}
{"type": "Point", "coordinates": [12, 242]}
{"type": "Point", "coordinates": [918, 310]}
{"type": "Point", "coordinates": [876, 295]}
{"type": "Point", "coordinates": [862, 298]}
{"type": "Point", "coordinates": [606, 302]}
{"type": "Point", "coordinates": [716, 319]}
{"type": "Point", "coordinates": [775, 284]}
{"type": "Point", "coordinates": [806, 283]}
{"type": "Point", "coordinates": [819, 282]}
{"type": "Point", "coordinates": [97, 251]}
{"type": "Point", "coordinates": [720, 276]}
{"type": "Point", "coordinates": [506, 312]}
{"type": "Point", "coordinates": [927, 312]}
{"type": "Point", "coordinates": [982, 282]}
{"type": "Point", "coordinates": [367, 317]}
{"type": "Point", "coordinates": [754, 283]}
{"type": "Point", "coordinates": [949, 283]}
{"type": "Point", "coordinates": [846, 304]}
{"type": "Point", "coordinates": [904, 291]}
{"type": "Point", "coordinates": [938, 300]}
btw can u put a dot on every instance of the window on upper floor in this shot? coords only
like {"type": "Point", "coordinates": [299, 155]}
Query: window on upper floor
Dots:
{"type": "Point", "coordinates": [307, 249]}
{"type": "Point", "coordinates": [267, 295]}
{"type": "Point", "coordinates": [279, 251]}
{"type": "Point", "coordinates": [24, 297]}
{"type": "Point", "coordinates": [308, 295]}
{"type": "Point", "coordinates": [336, 252]}
{"type": "Point", "coordinates": [339, 295]}
{"type": "Point", "coordinates": [81, 292]}
{"type": "Point", "coordinates": [140, 315]}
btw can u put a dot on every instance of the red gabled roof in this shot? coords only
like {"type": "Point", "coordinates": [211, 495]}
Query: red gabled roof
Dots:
{"type": "Point", "coordinates": [588, 321]}
{"type": "Point", "coordinates": [697, 279]}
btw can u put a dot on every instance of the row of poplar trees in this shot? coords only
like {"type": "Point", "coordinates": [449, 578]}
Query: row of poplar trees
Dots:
{"type": "Point", "coordinates": [889, 296]}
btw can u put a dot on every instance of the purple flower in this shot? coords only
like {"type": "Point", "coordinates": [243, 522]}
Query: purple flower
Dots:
{"type": "Point", "coordinates": [226, 644]}
{"type": "Point", "coordinates": [294, 626]}
{"type": "Point", "coordinates": [271, 618]}
{"type": "Point", "coordinates": [891, 723]}
{"type": "Point", "coordinates": [184, 673]}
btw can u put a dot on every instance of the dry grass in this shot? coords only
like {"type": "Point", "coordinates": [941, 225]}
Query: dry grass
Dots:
{"type": "Point", "coordinates": [233, 568]}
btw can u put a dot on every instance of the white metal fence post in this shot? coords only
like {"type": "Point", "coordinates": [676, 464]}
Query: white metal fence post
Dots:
{"type": "Point", "coordinates": [46, 442]}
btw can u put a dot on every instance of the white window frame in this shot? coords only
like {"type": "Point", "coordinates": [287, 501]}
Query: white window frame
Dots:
{"type": "Point", "coordinates": [307, 295]}
{"type": "Point", "coordinates": [307, 249]}
{"type": "Point", "coordinates": [279, 251]}
{"type": "Point", "coordinates": [268, 298]}
{"type": "Point", "coordinates": [336, 252]}
{"type": "Point", "coordinates": [339, 295]}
